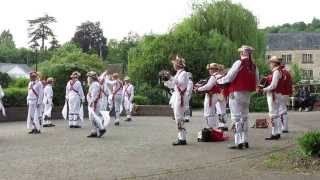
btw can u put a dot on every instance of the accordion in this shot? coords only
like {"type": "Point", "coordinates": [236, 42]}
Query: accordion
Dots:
{"type": "Point", "coordinates": [263, 82]}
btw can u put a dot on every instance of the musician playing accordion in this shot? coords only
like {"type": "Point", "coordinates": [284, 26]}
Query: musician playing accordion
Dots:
{"type": "Point", "coordinates": [212, 91]}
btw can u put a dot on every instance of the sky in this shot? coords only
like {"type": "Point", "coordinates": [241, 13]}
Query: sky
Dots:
{"type": "Point", "coordinates": [118, 17]}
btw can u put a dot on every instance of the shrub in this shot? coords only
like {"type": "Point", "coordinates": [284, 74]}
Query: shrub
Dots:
{"type": "Point", "coordinates": [141, 100]}
{"type": "Point", "coordinates": [309, 143]}
{"type": "Point", "coordinates": [4, 80]}
{"type": "Point", "coordinates": [156, 95]}
{"type": "Point", "coordinates": [258, 103]}
{"type": "Point", "coordinates": [15, 96]}
{"type": "Point", "coordinates": [19, 83]}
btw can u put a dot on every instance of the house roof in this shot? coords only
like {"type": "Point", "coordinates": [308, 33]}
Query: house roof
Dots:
{"type": "Point", "coordinates": [6, 67]}
{"type": "Point", "coordinates": [293, 41]}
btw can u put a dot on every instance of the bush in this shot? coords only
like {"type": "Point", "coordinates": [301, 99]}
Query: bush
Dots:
{"type": "Point", "coordinates": [4, 80]}
{"type": "Point", "coordinates": [157, 95]}
{"type": "Point", "coordinates": [141, 100]}
{"type": "Point", "coordinates": [258, 103]}
{"type": "Point", "coordinates": [15, 96]}
{"type": "Point", "coordinates": [19, 83]}
{"type": "Point", "coordinates": [309, 143]}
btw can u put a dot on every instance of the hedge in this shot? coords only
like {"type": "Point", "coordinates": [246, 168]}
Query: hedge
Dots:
{"type": "Point", "coordinates": [15, 96]}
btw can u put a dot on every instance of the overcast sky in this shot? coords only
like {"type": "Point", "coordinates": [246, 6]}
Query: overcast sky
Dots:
{"type": "Point", "coordinates": [118, 17]}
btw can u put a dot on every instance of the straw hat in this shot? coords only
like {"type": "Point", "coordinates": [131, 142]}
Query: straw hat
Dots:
{"type": "Point", "coordinates": [50, 80]}
{"type": "Point", "coordinates": [115, 76]}
{"type": "Point", "coordinates": [178, 61]}
{"type": "Point", "coordinates": [274, 59]}
{"type": "Point", "coordinates": [127, 78]}
{"type": "Point", "coordinates": [246, 49]}
{"type": "Point", "coordinates": [92, 74]}
{"type": "Point", "coordinates": [212, 66]}
{"type": "Point", "coordinates": [75, 74]}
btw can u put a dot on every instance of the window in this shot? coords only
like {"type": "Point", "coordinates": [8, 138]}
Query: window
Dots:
{"type": "Point", "coordinates": [307, 74]}
{"type": "Point", "coordinates": [307, 59]}
{"type": "Point", "coordinates": [286, 58]}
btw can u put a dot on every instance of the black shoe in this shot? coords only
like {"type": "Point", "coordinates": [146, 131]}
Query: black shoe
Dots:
{"type": "Point", "coordinates": [179, 142]}
{"type": "Point", "coordinates": [77, 126]}
{"type": "Point", "coordinates": [71, 126]}
{"type": "Point", "coordinates": [32, 131]}
{"type": "Point", "coordinates": [246, 145]}
{"type": "Point", "coordinates": [101, 132]}
{"type": "Point", "coordinates": [273, 137]}
{"type": "Point", "coordinates": [37, 132]}
{"type": "Point", "coordinates": [117, 124]}
{"type": "Point", "coordinates": [128, 119]}
{"type": "Point", "coordinates": [239, 146]}
{"type": "Point", "coordinates": [92, 135]}
{"type": "Point", "coordinates": [186, 120]}
{"type": "Point", "coordinates": [285, 131]}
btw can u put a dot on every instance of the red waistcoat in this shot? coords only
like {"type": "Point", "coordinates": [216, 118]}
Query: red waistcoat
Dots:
{"type": "Point", "coordinates": [284, 86]}
{"type": "Point", "coordinates": [245, 79]}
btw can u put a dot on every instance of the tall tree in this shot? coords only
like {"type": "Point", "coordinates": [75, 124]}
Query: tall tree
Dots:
{"type": "Point", "coordinates": [89, 36]}
{"type": "Point", "coordinates": [39, 30]}
{"type": "Point", "coordinates": [54, 43]}
{"type": "Point", "coordinates": [6, 40]}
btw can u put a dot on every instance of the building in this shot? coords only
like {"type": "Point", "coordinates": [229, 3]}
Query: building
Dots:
{"type": "Point", "coordinates": [15, 70]}
{"type": "Point", "coordinates": [302, 49]}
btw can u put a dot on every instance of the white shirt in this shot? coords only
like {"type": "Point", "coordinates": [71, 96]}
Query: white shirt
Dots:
{"type": "Point", "coordinates": [48, 94]}
{"type": "Point", "coordinates": [1, 92]}
{"type": "Point", "coordinates": [106, 89]}
{"type": "Point", "coordinates": [93, 93]}
{"type": "Point", "coordinates": [35, 91]}
{"type": "Point", "coordinates": [117, 87]}
{"type": "Point", "coordinates": [75, 89]}
{"type": "Point", "coordinates": [276, 76]}
{"type": "Point", "coordinates": [233, 72]}
{"type": "Point", "coordinates": [189, 87]}
{"type": "Point", "coordinates": [179, 80]}
{"type": "Point", "coordinates": [211, 82]}
{"type": "Point", "coordinates": [128, 91]}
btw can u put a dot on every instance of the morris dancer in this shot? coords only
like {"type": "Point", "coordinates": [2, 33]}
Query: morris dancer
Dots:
{"type": "Point", "coordinates": [34, 101]}
{"type": "Point", "coordinates": [221, 105]}
{"type": "Point", "coordinates": [188, 113]}
{"type": "Point", "coordinates": [115, 100]}
{"type": "Point", "coordinates": [74, 99]}
{"type": "Point", "coordinates": [94, 106]}
{"type": "Point", "coordinates": [212, 92]}
{"type": "Point", "coordinates": [273, 90]}
{"type": "Point", "coordinates": [105, 90]}
{"type": "Point", "coordinates": [48, 103]}
{"type": "Point", "coordinates": [241, 79]}
{"type": "Point", "coordinates": [3, 110]}
{"type": "Point", "coordinates": [179, 83]}
{"type": "Point", "coordinates": [128, 93]}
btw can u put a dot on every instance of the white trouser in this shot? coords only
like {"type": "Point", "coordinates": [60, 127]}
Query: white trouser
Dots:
{"type": "Point", "coordinates": [273, 105]}
{"type": "Point", "coordinates": [33, 112]}
{"type": "Point", "coordinates": [221, 108]}
{"type": "Point", "coordinates": [104, 103]}
{"type": "Point", "coordinates": [209, 112]}
{"type": "Point", "coordinates": [179, 111]}
{"type": "Point", "coordinates": [187, 114]}
{"type": "Point", "coordinates": [239, 108]}
{"type": "Point", "coordinates": [74, 104]}
{"type": "Point", "coordinates": [283, 111]}
{"type": "Point", "coordinates": [116, 103]}
{"type": "Point", "coordinates": [128, 106]}
{"type": "Point", "coordinates": [96, 119]}
{"type": "Point", "coordinates": [47, 113]}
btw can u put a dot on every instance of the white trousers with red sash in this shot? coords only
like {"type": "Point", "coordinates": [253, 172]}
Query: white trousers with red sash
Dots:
{"type": "Point", "coordinates": [209, 111]}
{"type": "Point", "coordinates": [33, 115]}
{"type": "Point", "coordinates": [284, 112]}
{"type": "Point", "coordinates": [178, 111]}
{"type": "Point", "coordinates": [239, 109]}
{"type": "Point", "coordinates": [274, 100]}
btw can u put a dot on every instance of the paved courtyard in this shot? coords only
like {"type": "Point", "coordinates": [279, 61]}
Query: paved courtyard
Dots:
{"type": "Point", "coordinates": [140, 149]}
